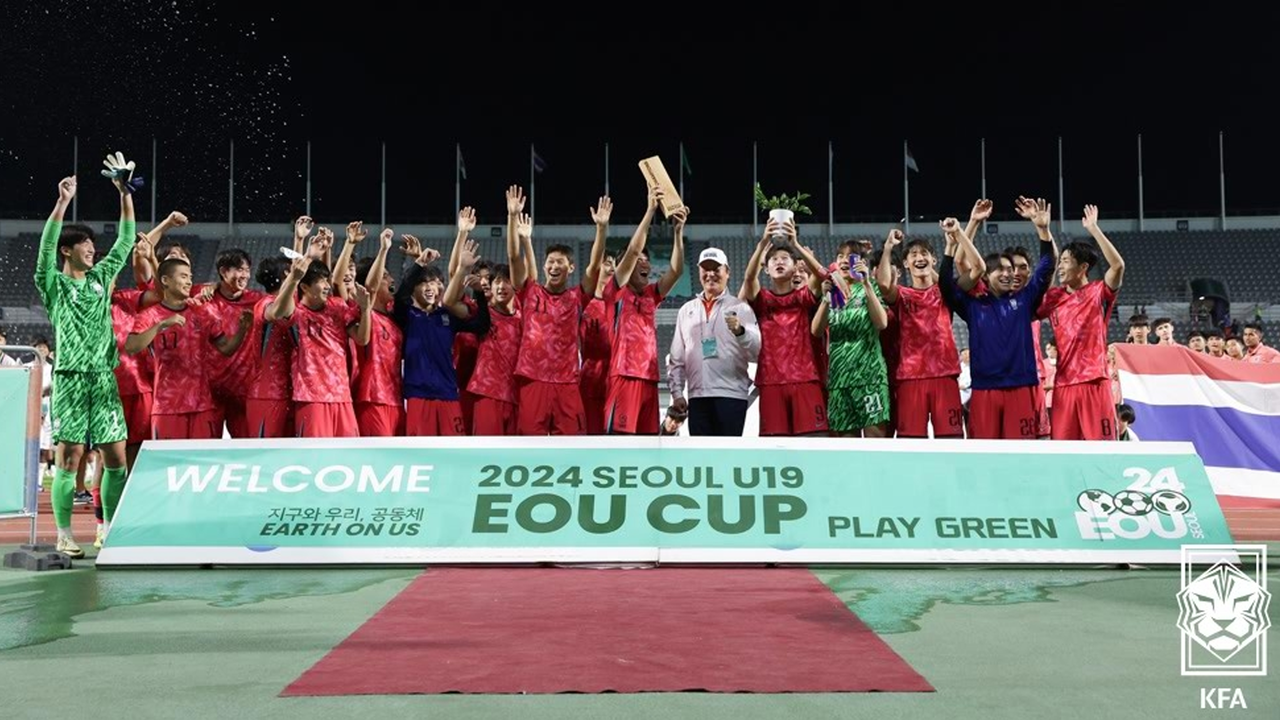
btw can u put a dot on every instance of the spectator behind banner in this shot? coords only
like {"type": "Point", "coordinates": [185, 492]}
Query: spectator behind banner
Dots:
{"type": "Point", "coordinates": [1125, 418]}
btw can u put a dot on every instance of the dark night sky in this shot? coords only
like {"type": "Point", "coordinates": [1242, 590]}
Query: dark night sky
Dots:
{"type": "Point", "coordinates": [197, 74]}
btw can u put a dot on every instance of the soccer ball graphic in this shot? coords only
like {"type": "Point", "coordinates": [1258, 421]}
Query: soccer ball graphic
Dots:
{"type": "Point", "coordinates": [1170, 502]}
{"type": "Point", "coordinates": [1096, 502]}
{"type": "Point", "coordinates": [1133, 502]}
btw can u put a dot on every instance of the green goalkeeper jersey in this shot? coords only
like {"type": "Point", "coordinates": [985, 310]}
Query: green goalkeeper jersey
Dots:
{"type": "Point", "coordinates": [80, 310]}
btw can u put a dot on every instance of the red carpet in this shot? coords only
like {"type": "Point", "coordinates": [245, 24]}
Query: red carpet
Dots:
{"type": "Point", "coordinates": [536, 630]}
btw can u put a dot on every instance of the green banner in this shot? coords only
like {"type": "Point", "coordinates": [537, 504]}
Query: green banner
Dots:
{"type": "Point", "coordinates": [670, 499]}
{"type": "Point", "coordinates": [15, 385]}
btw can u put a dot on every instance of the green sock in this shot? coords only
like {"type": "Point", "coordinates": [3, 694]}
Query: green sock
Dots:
{"type": "Point", "coordinates": [63, 497]}
{"type": "Point", "coordinates": [113, 480]}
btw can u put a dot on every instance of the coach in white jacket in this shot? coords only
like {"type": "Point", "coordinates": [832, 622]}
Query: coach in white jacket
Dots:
{"type": "Point", "coordinates": [716, 337]}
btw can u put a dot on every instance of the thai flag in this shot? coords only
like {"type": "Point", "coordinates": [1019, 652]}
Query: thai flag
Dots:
{"type": "Point", "coordinates": [1229, 410]}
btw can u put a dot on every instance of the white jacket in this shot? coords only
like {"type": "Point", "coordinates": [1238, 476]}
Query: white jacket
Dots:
{"type": "Point", "coordinates": [691, 375]}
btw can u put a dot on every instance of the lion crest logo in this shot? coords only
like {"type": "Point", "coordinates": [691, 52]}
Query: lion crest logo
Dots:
{"type": "Point", "coordinates": [1224, 610]}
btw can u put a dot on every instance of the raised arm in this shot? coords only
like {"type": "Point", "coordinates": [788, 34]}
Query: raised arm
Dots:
{"type": "Point", "coordinates": [751, 280]}
{"type": "Point", "coordinates": [286, 297]}
{"type": "Point", "coordinates": [600, 214]}
{"type": "Point", "coordinates": [626, 265]}
{"type": "Point", "coordinates": [47, 258]}
{"type": "Point", "coordinates": [467, 256]}
{"type": "Point", "coordinates": [515, 258]}
{"type": "Point", "coordinates": [1115, 271]}
{"type": "Point", "coordinates": [884, 271]}
{"type": "Point", "coordinates": [355, 233]}
{"type": "Point", "coordinates": [466, 223]}
{"type": "Point", "coordinates": [673, 273]}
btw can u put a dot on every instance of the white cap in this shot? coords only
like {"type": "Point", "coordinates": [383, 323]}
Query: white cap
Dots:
{"type": "Point", "coordinates": [715, 255]}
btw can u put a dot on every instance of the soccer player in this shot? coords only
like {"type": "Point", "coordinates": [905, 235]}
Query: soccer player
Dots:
{"type": "Point", "coordinates": [377, 390]}
{"type": "Point", "coordinates": [1038, 213]}
{"type": "Point", "coordinates": [791, 399]}
{"type": "Point", "coordinates": [430, 314]}
{"type": "Point", "coordinates": [466, 345]}
{"type": "Point", "coordinates": [86, 401]}
{"type": "Point", "coordinates": [547, 371]}
{"type": "Point", "coordinates": [928, 364]}
{"type": "Point", "coordinates": [321, 325]}
{"type": "Point", "coordinates": [596, 329]}
{"type": "Point", "coordinates": [1196, 341]}
{"type": "Point", "coordinates": [268, 401]}
{"type": "Point", "coordinates": [493, 384]}
{"type": "Point", "coordinates": [179, 332]}
{"type": "Point", "coordinates": [230, 374]}
{"type": "Point", "coordinates": [1003, 369]}
{"type": "Point", "coordinates": [1078, 311]}
{"type": "Point", "coordinates": [858, 384]}
{"type": "Point", "coordinates": [597, 343]}
{"type": "Point", "coordinates": [632, 405]}
{"type": "Point", "coordinates": [134, 373]}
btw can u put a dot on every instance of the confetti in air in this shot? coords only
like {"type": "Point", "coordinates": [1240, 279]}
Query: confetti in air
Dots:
{"type": "Point", "coordinates": [194, 75]}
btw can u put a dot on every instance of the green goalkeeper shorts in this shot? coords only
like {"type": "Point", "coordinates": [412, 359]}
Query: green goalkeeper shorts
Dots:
{"type": "Point", "coordinates": [87, 409]}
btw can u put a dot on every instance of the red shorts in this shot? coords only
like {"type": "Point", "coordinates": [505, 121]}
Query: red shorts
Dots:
{"type": "Point", "coordinates": [434, 418]}
{"type": "Point", "coordinates": [595, 391]}
{"type": "Point", "coordinates": [203, 425]}
{"type": "Point", "coordinates": [1042, 413]}
{"type": "Point", "coordinates": [893, 409]}
{"type": "Point", "coordinates": [632, 407]}
{"type": "Point", "coordinates": [1004, 414]}
{"type": "Point", "coordinates": [1084, 412]}
{"type": "Point", "coordinates": [792, 409]}
{"type": "Point", "coordinates": [325, 420]}
{"type": "Point", "coordinates": [938, 399]}
{"type": "Point", "coordinates": [377, 420]}
{"type": "Point", "coordinates": [269, 418]}
{"type": "Point", "coordinates": [467, 403]}
{"type": "Point", "coordinates": [232, 411]}
{"type": "Point", "coordinates": [494, 417]}
{"type": "Point", "coordinates": [550, 408]}
{"type": "Point", "coordinates": [137, 416]}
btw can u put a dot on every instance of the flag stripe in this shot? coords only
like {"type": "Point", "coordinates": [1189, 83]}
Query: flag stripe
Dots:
{"type": "Point", "coordinates": [1223, 437]}
{"type": "Point", "coordinates": [1244, 483]}
{"type": "Point", "coordinates": [1179, 389]}
{"type": "Point", "coordinates": [1161, 360]}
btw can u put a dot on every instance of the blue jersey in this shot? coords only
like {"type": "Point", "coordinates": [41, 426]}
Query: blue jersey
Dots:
{"type": "Point", "coordinates": [1001, 347]}
{"type": "Point", "coordinates": [429, 373]}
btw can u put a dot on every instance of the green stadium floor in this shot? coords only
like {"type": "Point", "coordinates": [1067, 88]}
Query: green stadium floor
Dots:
{"type": "Point", "coordinates": [995, 643]}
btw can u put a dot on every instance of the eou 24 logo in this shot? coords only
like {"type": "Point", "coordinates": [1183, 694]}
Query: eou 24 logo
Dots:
{"type": "Point", "coordinates": [1150, 504]}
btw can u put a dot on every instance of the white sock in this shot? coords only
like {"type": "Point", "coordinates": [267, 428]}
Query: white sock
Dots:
{"type": "Point", "coordinates": [106, 527]}
{"type": "Point", "coordinates": [64, 533]}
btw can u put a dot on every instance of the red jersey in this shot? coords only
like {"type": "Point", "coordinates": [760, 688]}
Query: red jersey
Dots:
{"type": "Point", "coordinates": [634, 353]}
{"type": "Point", "coordinates": [134, 373]}
{"type": "Point", "coordinates": [320, 372]}
{"type": "Point", "coordinates": [181, 355]}
{"type": "Point", "coordinates": [273, 362]}
{"type": "Point", "coordinates": [597, 341]}
{"type": "Point", "coordinates": [496, 358]}
{"type": "Point", "coordinates": [549, 344]}
{"type": "Point", "coordinates": [926, 347]}
{"type": "Point", "coordinates": [786, 344]}
{"type": "Point", "coordinates": [466, 346]}
{"type": "Point", "coordinates": [378, 374]}
{"type": "Point", "coordinates": [231, 374]}
{"type": "Point", "coordinates": [1080, 331]}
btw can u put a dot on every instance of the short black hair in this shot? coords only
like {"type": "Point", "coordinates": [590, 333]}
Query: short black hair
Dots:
{"type": "Point", "coordinates": [232, 259]}
{"type": "Point", "coordinates": [272, 272]}
{"type": "Point", "coordinates": [73, 235]}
